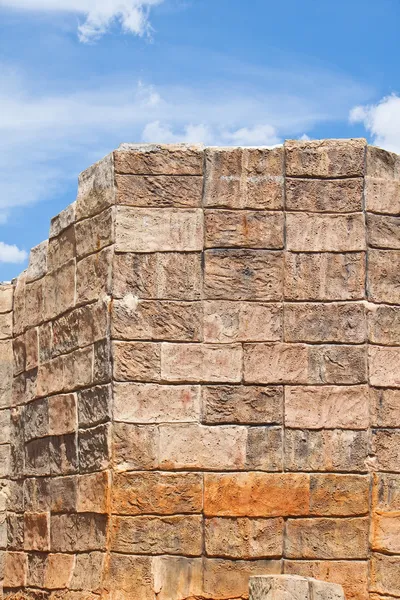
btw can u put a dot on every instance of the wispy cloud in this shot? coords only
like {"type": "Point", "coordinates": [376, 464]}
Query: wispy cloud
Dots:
{"type": "Point", "coordinates": [381, 121]}
{"type": "Point", "coordinates": [98, 15]}
{"type": "Point", "coordinates": [9, 253]}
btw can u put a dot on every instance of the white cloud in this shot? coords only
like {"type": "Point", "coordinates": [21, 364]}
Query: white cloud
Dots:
{"type": "Point", "coordinates": [262, 135]}
{"type": "Point", "coordinates": [11, 254]}
{"type": "Point", "coordinates": [99, 15]}
{"type": "Point", "coordinates": [381, 121]}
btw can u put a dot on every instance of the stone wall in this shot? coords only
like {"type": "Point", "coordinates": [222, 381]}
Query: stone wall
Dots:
{"type": "Point", "coordinates": [206, 378]}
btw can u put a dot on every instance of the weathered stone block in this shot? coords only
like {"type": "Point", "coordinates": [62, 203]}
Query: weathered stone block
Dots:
{"type": "Point", "coordinates": [94, 448]}
{"type": "Point", "coordinates": [325, 158]}
{"type": "Point", "coordinates": [383, 231]}
{"type": "Point", "coordinates": [61, 249]}
{"type": "Point", "coordinates": [96, 190]}
{"type": "Point", "coordinates": [157, 493]}
{"type": "Point", "coordinates": [15, 570]}
{"type": "Point", "coordinates": [230, 579]}
{"type": "Point", "coordinates": [63, 220]}
{"type": "Point", "coordinates": [94, 234]}
{"type": "Point", "coordinates": [37, 531]}
{"type": "Point", "coordinates": [248, 229]}
{"type": "Point", "coordinates": [244, 538]}
{"type": "Point", "coordinates": [58, 571]}
{"type": "Point", "coordinates": [6, 322]}
{"type": "Point", "coordinates": [93, 276]}
{"type": "Point", "coordinates": [324, 195]}
{"type": "Point", "coordinates": [385, 533]}
{"type": "Point", "coordinates": [385, 407]}
{"type": "Point", "coordinates": [276, 363]}
{"type": "Point", "coordinates": [93, 492]}
{"type": "Point", "coordinates": [135, 319]}
{"type": "Point", "coordinates": [339, 495]}
{"type": "Point", "coordinates": [256, 494]}
{"type": "Point", "coordinates": [226, 321]}
{"type": "Point", "coordinates": [6, 297]}
{"type": "Point", "coordinates": [381, 163]}
{"type": "Point", "coordinates": [267, 587]}
{"type": "Point", "coordinates": [312, 232]}
{"type": "Point", "coordinates": [88, 571]}
{"type": "Point", "coordinates": [58, 291]}
{"type": "Point", "coordinates": [382, 195]}
{"type": "Point", "coordinates": [351, 575]}
{"type": "Point", "coordinates": [36, 422]}
{"type": "Point", "coordinates": [157, 535]}
{"type": "Point", "coordinates": [243, 274]}
{"type": "Point", "coordinates": [63, 454]}
{"type": "Point", "coordinates": [62, 493]}
{"type": "Point", "coordinates": [36, 492]}
{"type": "Point", "coordinates": [158, 229]}
{"type": "Point", "coordinates": [385, 574]}
{"type": "Point", "coordinates": [5, 426]}
{"type": "Point", "coordinates": [384, 276]}
{"type": "Point", "coordinates": [94, 406]}
{"type": "Point", "coordinates": [384, 325]}
{"type": "Point", "coordinates": [324, 276]}
{"type": "Point", "coordinates": [177, 577]}
{"type": "Point", "coordinates": [139, 361]}
{"type": "Point", "coordinates": [153, 403]}
{"type": "Point", "coordinates": [264, 450]}
{"type": "Point", "coordinates": [201, 362]}
{"type": "Point", "coordinates": [169, 276]}
{"type": "Point", "coordinates": [131, 575]}
{"type": "Point", "coordinates": [385, 446]}
{"type": "Point", "coordinates": [160, 191]}
{"type": "Point", "coordinates": [37, 302]}
{"type": "Point", "coordinates": [78, 532]}
{"type": "Point", "coordinates": [242, 404]}
{"type": "Point", "coordinates": [326, 450]}
{"type": "Point", "coordinates": [386, 492]}
{"type": "Point", "coordinates": [328, 407]}
{"type": "Point", "coordinates": [37, 267]}
{"type": "Point", "coordinates": [338, 364]}
{"type": "Point", "coordinates": [62, 414]}
{"type": "Point", "coordinates": [6, 373]}
{"type": "Point", "coordinates": [383, 364]}
{"type": "Point", "coordinates": [135, 447]}
{"type": "Point", "coordinates": [327, 538]}
{"type": "Point", "coordinates": [156, 159]}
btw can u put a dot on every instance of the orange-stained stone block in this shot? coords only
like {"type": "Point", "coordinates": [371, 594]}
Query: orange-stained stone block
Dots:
{"type": "Point", "coordinates": [15, 569]}
{"type": "Point", "coordinates": [58, 571]}
{"type": "Point", "coordinates": [339, 495]}
{"type": "Point", "coordinates": [37, 531]}
{"type": "Point", "coordinates": [385, 574]}
{"type": "Point", "coordinates": [385, 532]}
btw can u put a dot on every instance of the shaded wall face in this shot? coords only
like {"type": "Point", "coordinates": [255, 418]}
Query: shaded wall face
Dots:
{"type": "Point", "coordinates": [215, 390]}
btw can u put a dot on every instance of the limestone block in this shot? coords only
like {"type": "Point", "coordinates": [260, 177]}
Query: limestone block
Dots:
{"type": "Point", "coordinates": [326, 323]}
{"type": "Point", "coordinates": [385, 574]}
{"type": "Point", "coordinates": [19, 354]}
{"type": "Point", "coordinates": [264, 449]}
{"type": "Point", "coordinates": [13, 531]}
{"type": "Point", "coordinates": [159, 191]}
{"type": "Point", "coordinates": [325, 158]}
{"type": "Point", "coordinates": [386, 492]}
{"type": "Point", "coordinates": [94, 448]}
{"type": "Point", "coordinates": [37, 267]}
{"type": "Point", "coordinates": [135, 319]}
{"type": "Point", "coordinates": [382, 195]}
{"type": "Point", "coordinates": [6, 297]}
{"type": "Point", "coordinates": [37, 494]}
{"type": "Point", "coordinates": [384, 366]}
{"type": "Point", "coordinates": [324, 276]}
{"type": "Point", "coordinates": [385, 407]}
{"type": "Point", "coordinates": [192, 446]}
{"type": "Point", "coordinates": [129, 576]}
{"type": "Point", "coordinates": [156, 159]}
{"type": "Point", "coordinates": [19, 304]}
{"type": "Point", "coordinates": [37, 457]}
{"type": "Point", "coordinates": [324, 195]}
{"type": "Point", "coordinates": [31, 348]}
{"type": "Point", "coordinates": [37, 531]}
{"type": "Point", "coordinates": [339, 495]}
{"type": "Point", "coordinates": [230, 578]}
{"type": "Point", "coordinates": [62, 221]}
{"type": "Point", "coordinates": [153, 403]}
{"type": "Point", "coordinates": [242, 404]}
{"type": "Point", "coordinates": [95, 233]}
{"type": "Point", "coordinates": [6, 322]}
{"type": "Point", "coordinates": [15, 569]}
{"type": "Point", "coordinates": [6, 373]}
{"type": "Point", "coordinates": [315, 232]}
{"type": "Point", "coordinates": [226, 321]}
{"type": "Point", "coordinates": [36, 303]}
{"type": "Point", "coordinates": [384, 276]}
{"type": "Point", "coordinates": [96, 190]}
{"type": "Point", "coordinates": [135, 447]}
{"type": "Point", "coordinates": [385, 533]}
{"type": "Point", "coordinates": [383, 231]}
{"type": "Point", "coordinates": [62, 414]}
{"type": "Point", "coordinates": [58, 291]}
{"type": "Point", "coordinates": [140, 361]}
{"type": "Point", "coordinates": [88, 571]}
{"type": "Point", "coordinates": [177, 577]}
{"type": "Point", "coordinates": [201, 362]}
{"type": "Point", "coordinates": [157, 493]}
{"type": "Point", "coordinates": [255, 494]}
{"type": "Point", "coordinates": [94, 405]}
{"type": "Point", "coordinates": [384, 325]}
{"type": "Point", "coordinates": [93, 276]}
{"type": "Point", "coordinates": [338, 364]}
{"type": "Point", "coordinates": [158, 229]}
{"type": "Point", "coordinates": [36, 419]}
{"type": "Point", "coordinates": [93, 491]}
{"type": "Point", "coordinates": [102, 362]}
{"type": "Point", "coordinates": [326, 450]}
{"type": "Point", "coordinates": [276, 363]}
{"type": "Point", "coordinates": [248, 229]}
{"type": "Point", "coordinates": [77, 369]}
{"type": "Point", "coordinates": [244, 538]}
{"type": "Point", "coordinates": [63, 454]}
{"type": "Point", "coordinates": [381, 163]}
{"type": "Point", "coordinates": [61, 249]}
{"type": "Point", "coordinates": [79, 327]}
{"type": "Point", "coordinates": [327, 538]}
{"type": "Point", "coordinates": [157, 535]}
{"type": "Point", "coordinates": [58, 571]}
{"type": "Point", "coordinates": [5, 426]}
{"type": "Point", "coordinates": [78, 532]}
{"type": "Point", "coordinates": [244, 178]}
{"type": "Point", "coordinates": [243, 274]}
{"type": "Point", "coordinates": [386, 448]}
{"type": "Point", "coordinates": [293, 587]}
{"type": "Point", "coordinates": [327, 407]}
{"type": "Point", "coordinates": [63, 493]}
{"type": "Point", "coordinates": [351, 575]}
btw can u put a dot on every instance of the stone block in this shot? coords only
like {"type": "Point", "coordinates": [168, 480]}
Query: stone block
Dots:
{"type": "Point", "coordinates": [77, 369]}
{"type": "Point", "coordinates": [153, 403]}
{"type": "Point", "coordinates": [226, 321]}
{"type": "Point", "coordinates": [192, 446]}
{"type": "Point", "coordinates": [327, 407]}
{"type": "Point", "coordinates": [315, 232]}
{"type": "Point", "coordinates": [96, 190]}
{"type": "Point", "coordinates": [201, 362]}
{"type": "Point", "coordinates": [63, 454]}
{"type": "Point", "coordinates": [37, 267]}
{"type": "Point", "coordinates": [383, 231]}
{"type": "Point", "coordinates": [38, 302]}
{"type": "Point", "coordinates": [32, 348]}
{"type": "Point", "coordinates": [45, 341]}
{"type": "Point", "coordinates": [6, 297]}
{"type": "Point", "coordinates": [156, 159]}
{"type": "Point", "coordinates": [386, 492]}
{"type": "Point", "coordinates": [15, 569]}
{"type": "Point", "coordinates": [88, 572]}
{"type": "Point", "coordinates": [324, 276]}
{"type": "Point", "coordinates": [383, 362]}
{"type": "Point", "coordinates": [382, 195]}
{"type": "Point", "coordinates": [102, 362]}
{"type": "Point", "coordinates": [58, 291]}
{"type": "Point", "coordinates": [177, 577]}
{"type": "Point", "coordinates": [324, 195]}
{"type": "Point", "coordinates": [12, 531]}
{"type": "Point", "coordinates": [94, 447]}
{"type": "Point", "coordinates": [19, 354]}
{"type": "Point", "coordinates": [157, 493]}
{"type": "Point", "coordinates": [135, 319]}
{"type": "Point", "coordinates": [385, 533]}
{"type": "Point", "coordinates": [384, 276]}
{"type": "Point", "coordinates": [37, 457]}
{"type": "Point", "coordinates": [384, 325]}
{"type": "Point", "coordinates": [37, 531]}
{"type": "Point", "coordinates": [19, 304]}
{"type": "Point", "coordinates": [381, 163]}
{"type": "Point", "coordinates": [326, 450]}
{"type": "Point", "coordinates": [230, 579]}
{"type": "Point", "coordinates": [338, 364]}
{"type": "Point", "coordinates": [37, 494]}
{"type": "Point", "coordinates": [169, 276]}
{"type": "Point", "coordinates": [61, 249]}
{"type": "Point", "coordinates": [327, 538]}
{"type": "Point", "coordinates": [326, 323]}
{"type": "Point", "coordinates": [159, 191]}
{"type": "Point", "coordinates": [93, 492]}
{"type": "Point", "coordinates": [6, 373]}
{"type": "Point", "coordinates": [78, 532]}
{"type": "Point", "coordinates": [36, 419]}
{"type": "Point", "coordinates": [93, 276]}
{"type": "Point", "coordinates": [94, 234]}
{"type": "Point", "coordinates": [243, 274]}
{"type": "Point", "coordinates": [351, 575]}
{"type": "Point", "coordinates": [271, 587]}
{"type": "Point", "coordinates": [276, 363]}
{"type": "Point", "coordinates": [242, 404]}
{"type": "Point", "coordinates": [5, 426]}
{"type": "Point", "coordinates": [140, 361]}
{"type": "Point", "coordinates": [244, 178]}
{"type": "Point", "coordinates": [385, 574]}
{"type": "Point", "coordinates": [339, 495]}
{"type": "Point", "coordinates": [129, 576]}
{"type": "Point", "coordinates": [385, 407]}
{"type": "Point", "coordinates": [63, 493]}
{"type": "Point", "coordinates": [58, 571]}
{"type": "Point", "coordinates": [6, 322]}
{"type": "Point", "coordinates": [385, 446]}
{"type": "Point", "coordinates": [62, 221]}
{"type": "Point", "coordinates": [264, 449]}
{"type": "Point", "coordinates": [135, 447]}
{"type": "Point", "coordinates": [157, 535]}
{"type": "Point", "coordinates": [244, 538]}
{"type": "Point", "coordinates": [248, 229]}
{"type": "Point", "coordinates": [94, 405]}
{"type": "Point", "coordinates": [255, 494]}
{"type": "Point", "coordinates": [62, 412]}
{"type": "Point", "coordinates": [158, 229]}
{"type": "Point", "coordinates": [325, 158]}
{"type": "Point", "coordinates": [36, 570]}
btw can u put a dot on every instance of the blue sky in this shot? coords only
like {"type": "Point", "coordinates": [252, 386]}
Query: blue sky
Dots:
{"type": "Point", "coordinates": [78, 77]}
